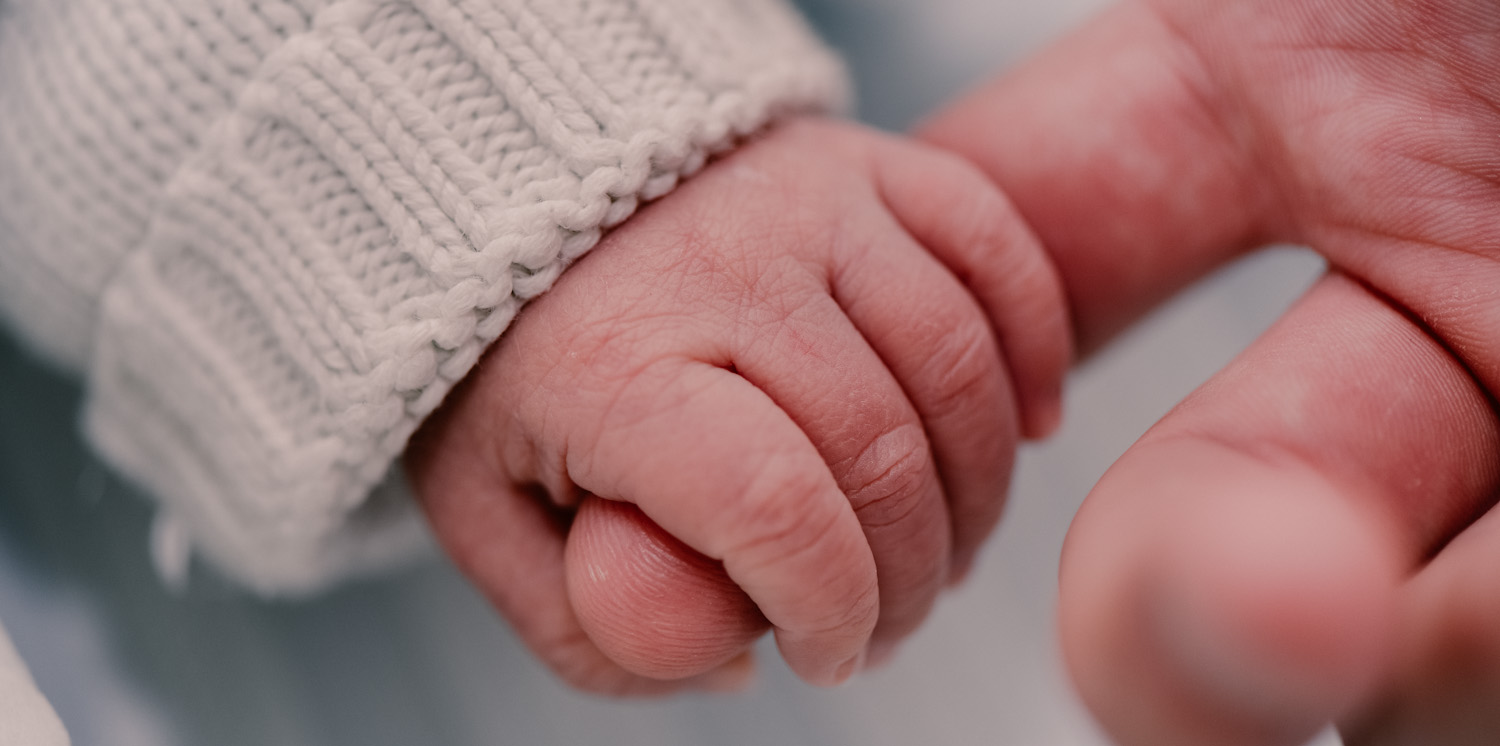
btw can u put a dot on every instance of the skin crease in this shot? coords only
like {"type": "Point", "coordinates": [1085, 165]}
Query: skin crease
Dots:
{"type": "Point", "coordinates": [1306, 522]}
{"type": "Point", "coordinates": [1355, 440]}
{"type": "Point", "coordinates": [795, 370]}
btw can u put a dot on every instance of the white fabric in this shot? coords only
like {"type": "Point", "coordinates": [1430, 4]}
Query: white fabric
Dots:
{"type": "Point", "coordinates": [275, 233]}
{"type": "Point", "coordinates": [25, 717]}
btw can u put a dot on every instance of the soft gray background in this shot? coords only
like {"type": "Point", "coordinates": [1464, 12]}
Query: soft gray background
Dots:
{"type": "Point", "coordinates": [419, 659]}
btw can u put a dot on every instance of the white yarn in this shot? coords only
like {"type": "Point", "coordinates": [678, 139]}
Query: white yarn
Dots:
{"type": "Point", "coordinates": [275, 233]}
{"type": "Point", "coordinates": [25, 717]}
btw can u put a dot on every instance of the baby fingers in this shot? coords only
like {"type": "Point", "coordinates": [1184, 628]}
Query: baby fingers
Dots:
{"type": "Point", "coordinates": [714, 462]}
{"type": "Point", "coordinates": [809, 410]}
{"type": "Point", "coordinates": [512, 545]}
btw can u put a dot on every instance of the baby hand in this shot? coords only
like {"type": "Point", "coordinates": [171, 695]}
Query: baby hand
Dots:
{"type": "Point", "coordinates": [776, 398]}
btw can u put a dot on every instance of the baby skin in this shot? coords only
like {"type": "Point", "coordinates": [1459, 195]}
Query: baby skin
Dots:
{"type": "Point", "coordinates": [811, 364]}
{"type": "Point", "coordinates": [785, 397]}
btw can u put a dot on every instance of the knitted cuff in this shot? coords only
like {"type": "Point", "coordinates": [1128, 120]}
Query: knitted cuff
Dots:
{"type": "Point", "coordinates": [29, 720]}
{"type": "Point", "coordinates": [390, 189]}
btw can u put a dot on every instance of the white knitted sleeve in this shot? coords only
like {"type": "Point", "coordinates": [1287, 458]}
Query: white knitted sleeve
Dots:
{"type": "Point", "coordinates": [321, 213]}
{"type": "Point", "coordinates": [26, 719]}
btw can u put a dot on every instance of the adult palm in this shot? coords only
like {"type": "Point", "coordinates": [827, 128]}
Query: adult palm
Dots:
{"type": "Point", "coordinates": [1306, 537]}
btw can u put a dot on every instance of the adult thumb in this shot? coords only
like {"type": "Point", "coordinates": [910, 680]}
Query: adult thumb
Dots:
{"type": "Point", "coordinates": [654, 605]}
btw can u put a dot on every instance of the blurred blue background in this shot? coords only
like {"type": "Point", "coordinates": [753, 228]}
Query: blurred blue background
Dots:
{"type": "Point", "coordinates": [419, 658]}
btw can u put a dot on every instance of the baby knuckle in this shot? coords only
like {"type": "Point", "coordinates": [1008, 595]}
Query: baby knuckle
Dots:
{"type": "Point", "coordinates": [855, 616]}
{"type": "Point", "coordinates": [983, 218]}
{"type": "Point", "coordinates": [886, 482]}
{"type": "Point", "coordinates": [787, 520]}
{"type": "Point", "coordinates": [788, 527]}
{"type": "Point", "coordinates": [650, 392]}
{"type": "Point", "coordinates": [781, 512]}
{"type": "Point", "coordinates": [963, 365]}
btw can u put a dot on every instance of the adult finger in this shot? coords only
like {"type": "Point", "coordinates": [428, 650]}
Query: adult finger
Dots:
{"type": "Point", "coordinates": [1234, 578]}
{"type": "Point", "coordinates": [1127, 159]}
{"type": "Point", "coordinates": [652, 603]}
{"type": "Point", "coordinates": [715, 462]}
{"type": "Point", "coordinates": [1446, 679]}
{"type": "Point", "coordinates": [511, 544]}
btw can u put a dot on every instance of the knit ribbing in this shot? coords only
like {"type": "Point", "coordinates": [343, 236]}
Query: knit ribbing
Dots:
{"type": "Point", "coordinates": [316, 216]}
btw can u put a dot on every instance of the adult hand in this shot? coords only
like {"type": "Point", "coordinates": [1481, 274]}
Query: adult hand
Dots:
{"type": "Point", "coordinates": [1305, 538]}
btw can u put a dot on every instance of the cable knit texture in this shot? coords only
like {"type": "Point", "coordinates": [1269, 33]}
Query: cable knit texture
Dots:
{"type": "Point", "coordinates": [275, 232]}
